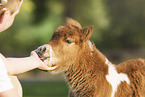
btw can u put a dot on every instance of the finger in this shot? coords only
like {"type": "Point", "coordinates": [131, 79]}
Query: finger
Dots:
{"type": "Point", "coordinates": [33, 53]}
{"type": "Point", "coordinates": [49, 68]}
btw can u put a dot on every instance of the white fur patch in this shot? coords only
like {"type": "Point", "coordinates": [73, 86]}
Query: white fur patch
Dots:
{"type": "Point", "coordinates": [90, 45]}
{"type": "Point", "coordinates": [115, 78]}
{"type": "Point", "coordinates": [53, 59]}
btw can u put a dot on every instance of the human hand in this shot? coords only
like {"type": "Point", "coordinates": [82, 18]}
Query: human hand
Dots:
{"type": "Point", "coordinates": [41, 64]}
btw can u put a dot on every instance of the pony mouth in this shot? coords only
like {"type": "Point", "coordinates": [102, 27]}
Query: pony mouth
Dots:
{"type": "Point", "coordinates": [42, 58]}
{"type": "Point", "coordinates": [41, 55]}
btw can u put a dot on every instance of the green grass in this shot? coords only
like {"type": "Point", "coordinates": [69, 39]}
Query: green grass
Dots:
{"type": "Point", "coordinates": [45, 89]}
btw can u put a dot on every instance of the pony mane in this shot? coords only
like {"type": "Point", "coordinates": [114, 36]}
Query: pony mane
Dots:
{"type": "Point", "coordinates": [70, 21]}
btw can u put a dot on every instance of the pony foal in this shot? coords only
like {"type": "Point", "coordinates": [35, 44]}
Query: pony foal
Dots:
{"type": "Point", "coordinates": [88, 72]}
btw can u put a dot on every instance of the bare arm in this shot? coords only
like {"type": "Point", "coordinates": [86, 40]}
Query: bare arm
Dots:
{"type": "Point", "coordinates": [21, 65]}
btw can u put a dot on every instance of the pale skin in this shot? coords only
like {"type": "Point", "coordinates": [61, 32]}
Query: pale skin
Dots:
{"type": "Point", "coordinates": [18, 65]}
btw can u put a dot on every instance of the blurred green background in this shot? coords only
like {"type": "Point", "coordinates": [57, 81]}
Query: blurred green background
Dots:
{"type": "Point", "coordinates": [45, 89]}
{"type": "Point", "coordinates": [119, 32]}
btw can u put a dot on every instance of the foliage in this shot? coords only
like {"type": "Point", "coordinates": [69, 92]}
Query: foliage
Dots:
{"type": "Point", "coordinates": [117, 24]}
{"type": "Point", "coordinates": [127, 24]}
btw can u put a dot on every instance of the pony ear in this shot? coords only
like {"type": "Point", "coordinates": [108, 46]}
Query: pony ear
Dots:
{"type": "Point", "coordinates": [86, 33]}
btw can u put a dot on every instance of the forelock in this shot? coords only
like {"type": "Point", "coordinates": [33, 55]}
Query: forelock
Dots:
{"type": "Point", "coordinates": [70, 21]}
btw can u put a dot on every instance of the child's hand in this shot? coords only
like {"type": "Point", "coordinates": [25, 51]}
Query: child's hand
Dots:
{"type": "Point", "coordinates": [41, 64]}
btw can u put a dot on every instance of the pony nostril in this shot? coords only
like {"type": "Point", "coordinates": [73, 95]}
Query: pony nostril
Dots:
{"type": "Point", "coordinates": [41, 49]}
{"type": "Point", "coordinates": [44, 49]}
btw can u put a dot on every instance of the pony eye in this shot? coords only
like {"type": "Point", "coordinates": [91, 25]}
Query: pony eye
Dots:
{"type": "Point", "coordinates": [68, 41]}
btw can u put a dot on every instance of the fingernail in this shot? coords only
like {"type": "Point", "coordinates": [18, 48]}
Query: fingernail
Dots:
{"type": "Point", "coordinates": [52, 68]}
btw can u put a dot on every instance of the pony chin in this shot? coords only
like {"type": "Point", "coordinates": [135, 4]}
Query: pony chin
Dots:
{"type": "Point", "coordinates": [57, 70]}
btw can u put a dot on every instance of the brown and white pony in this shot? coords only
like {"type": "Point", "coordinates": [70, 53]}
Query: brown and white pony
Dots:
{"type": "Point", "coordinates": [88, 72]}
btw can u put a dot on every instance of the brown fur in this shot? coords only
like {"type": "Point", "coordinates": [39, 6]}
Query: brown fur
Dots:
{"type": "Point", "coordinates": [135, 69]}
{"type": "Point", "coordinates": [85, 66]}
